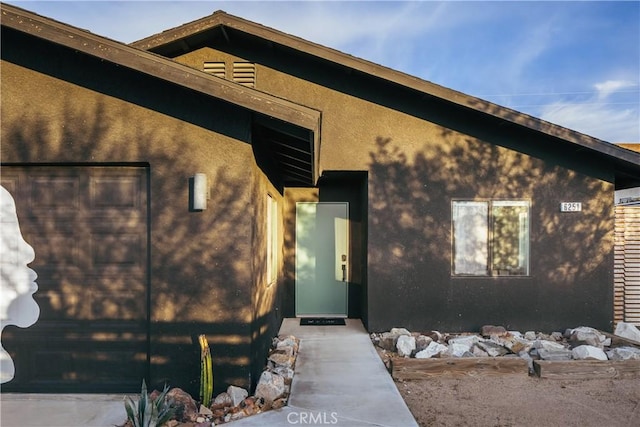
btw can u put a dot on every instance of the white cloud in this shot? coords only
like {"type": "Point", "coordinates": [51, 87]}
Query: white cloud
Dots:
{"type": "Point", "coordinates": [611, 86]}
{"type": "Point", "coordinates": [597, 119]}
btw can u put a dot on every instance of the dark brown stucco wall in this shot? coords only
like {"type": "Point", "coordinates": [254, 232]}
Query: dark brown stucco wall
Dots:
{"type": "Point", "coordinates": [60, 108]}
{"type": "Point", "coordinates": [420, 153]}
{"type": "Point", "coordinates": [410, 281]}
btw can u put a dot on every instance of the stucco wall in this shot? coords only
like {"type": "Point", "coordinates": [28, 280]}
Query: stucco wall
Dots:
{"type": "Point", "coordinates": [420, 154]}
{"type": "Point", "coordinates": [201, 277]}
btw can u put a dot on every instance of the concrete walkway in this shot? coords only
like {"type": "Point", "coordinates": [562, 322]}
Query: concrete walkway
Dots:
{"type": "Point", "coordinates": [339, 380]}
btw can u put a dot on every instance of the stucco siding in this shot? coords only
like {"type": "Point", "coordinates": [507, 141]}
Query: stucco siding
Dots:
{"type": "Point", "coordinates": [200, 280]}
{"type": "Point", "coordinates": [420, 154]}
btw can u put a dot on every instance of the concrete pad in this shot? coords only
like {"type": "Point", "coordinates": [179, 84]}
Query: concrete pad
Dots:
{"type": "Point", "coordinates": [61, 410]}
{"type": "Point", "coordinates": [292, 416]}
{"type": "Point", "coordinates": [339, 371]}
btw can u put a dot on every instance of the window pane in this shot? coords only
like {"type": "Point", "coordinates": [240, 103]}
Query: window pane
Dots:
{"type": "Point", "coordinates": [510, 249]}
{"type": "Point", "coordinates": [470, 238]}
{"type": "Point", "coordinates": [272, 239]}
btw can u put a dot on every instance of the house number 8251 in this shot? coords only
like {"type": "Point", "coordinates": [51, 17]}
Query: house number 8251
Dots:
{"type": "Point", "coordinates": [570, 207]}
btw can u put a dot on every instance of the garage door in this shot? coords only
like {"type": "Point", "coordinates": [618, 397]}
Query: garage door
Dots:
{"type": "Point", "coordinates": [89, 229]}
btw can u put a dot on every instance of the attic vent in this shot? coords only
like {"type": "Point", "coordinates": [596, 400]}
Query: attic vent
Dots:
{"type": "Point", "coordinates": [244, 73]}
{"type": "Point", "coordinates": [218, 69]}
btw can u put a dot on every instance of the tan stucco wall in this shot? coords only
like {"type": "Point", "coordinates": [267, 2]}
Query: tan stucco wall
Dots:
{"type": "Point", "coordinates": [200, 273]}
{"type": "Point", "coordinates": [350, 126]}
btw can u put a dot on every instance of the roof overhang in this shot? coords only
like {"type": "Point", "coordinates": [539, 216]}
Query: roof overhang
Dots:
{"type": "Point", "coordinates": [625, 162]}
{"type": "Point", "coordinates": [299, 123]}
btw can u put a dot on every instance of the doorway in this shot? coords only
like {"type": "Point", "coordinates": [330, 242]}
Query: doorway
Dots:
{"type": "Point", "coordinates": [322, 259]}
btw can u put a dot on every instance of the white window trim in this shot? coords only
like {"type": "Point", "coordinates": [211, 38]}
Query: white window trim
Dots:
{"type": "Point", "coordinates": [486, 252]}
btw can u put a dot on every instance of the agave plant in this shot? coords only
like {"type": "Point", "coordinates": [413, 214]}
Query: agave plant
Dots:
{"type": "Point", "coordinates": [147, 412]}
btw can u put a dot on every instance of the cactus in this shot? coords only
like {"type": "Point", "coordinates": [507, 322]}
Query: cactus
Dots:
{"type": "Point", "coordinates": [206, 372]}
{"type": "Point", "coordinates": [147, 413]}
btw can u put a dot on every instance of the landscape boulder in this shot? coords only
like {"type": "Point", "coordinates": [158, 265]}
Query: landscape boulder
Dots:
{"type": "Point", "coordinates": [433, 349]}
{"type": "Point", "coordinates": [422, 341]}
{"type": "Point", "coordinates": [627, 330]}
{"type": "Point", "coordinates": [588, 352]}
{"type": "Point", "coordinates": [222, 400]}
{"type": "Point", "coordinates": [624, 353]}
{"type": "Point", "coordinates": [270, 387]}
{"type": "Point", "coordinates": [400, 331]}
{"type": "Point", "coordinates": [406, 345]}
{"type": "Point", "coordinates": [187, 409]}
{"type": "Point", "coordinates": [490, 330]}
{"type": "Point", "coordinates": [237, 394]}
{"type": "Point", "coordinates": [388, 341]}
{"type": "Point", "coordinates": [585, 335]}
{"type": "Point", "coordinates": [493, 349]}
{"type": "Point", "coordinates": [463, 346]}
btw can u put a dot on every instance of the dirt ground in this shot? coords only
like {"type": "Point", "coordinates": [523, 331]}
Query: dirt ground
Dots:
{"type": "Point", "coordinates": [518, 400]}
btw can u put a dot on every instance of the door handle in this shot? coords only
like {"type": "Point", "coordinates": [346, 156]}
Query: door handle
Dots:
{"type": "Point", "coordinates": [344, 272]}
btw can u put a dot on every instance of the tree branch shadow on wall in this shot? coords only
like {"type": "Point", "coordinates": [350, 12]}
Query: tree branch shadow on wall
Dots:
{"type": "Point", "coordinates": [410, 242]}
{"type": "Point", "coordinates": [199, 283]}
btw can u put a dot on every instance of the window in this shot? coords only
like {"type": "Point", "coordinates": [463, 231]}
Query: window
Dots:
{"type": "Point", "coordinates": [490, 238]}
{"type": "Point", "coordinates": [272, 239]}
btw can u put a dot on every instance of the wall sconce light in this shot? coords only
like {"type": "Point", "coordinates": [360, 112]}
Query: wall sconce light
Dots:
{"type": "Point", "coordinates": [199, 192]}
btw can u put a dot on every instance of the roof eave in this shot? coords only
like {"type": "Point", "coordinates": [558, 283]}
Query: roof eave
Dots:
{"type": "Point", "coordinates": [158, 66]}
{"type": "Point", "coordinates": [508, 115]}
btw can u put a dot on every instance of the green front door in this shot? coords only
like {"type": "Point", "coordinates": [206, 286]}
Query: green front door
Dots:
{"type": "Point", "coordinates": [322, 249]}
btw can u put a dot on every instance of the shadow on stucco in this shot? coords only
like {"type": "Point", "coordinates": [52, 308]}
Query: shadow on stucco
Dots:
{"type": "Point", "coordinates": [197, 279]}
{"type": "Point", "coordinates": [410, 249]}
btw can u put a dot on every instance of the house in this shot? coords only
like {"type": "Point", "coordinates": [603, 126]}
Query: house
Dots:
{"type": "Point", "coordinates": [220, 176]}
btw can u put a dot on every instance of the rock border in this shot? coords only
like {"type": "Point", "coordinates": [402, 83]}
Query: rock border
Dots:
{"type": "Point", "coordinates": [581, 343]}
{"type": "Point", "coordinates": [272, 392]}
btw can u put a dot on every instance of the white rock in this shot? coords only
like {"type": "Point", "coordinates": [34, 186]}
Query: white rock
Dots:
{"type": "Point", "coordinates": [548, 345]}
{"type": "Point", "coordinates": [270, 386]}
{"type": "Point", "coordinates": [237, 394]}
{"type": "Point", "coordinates": [460, 345]}
{"type": "Point", "coordinates": [627, 330]}
{"type": "Point", "coordinates": [588, 336]}
{"type": "Point", "coordinates": [624, 353]}
{"type": "Point", "coordinates": [478, 352]}
{"type": "Point", "coordinates": [223, 399]}
{"type": "Point", "coordinates": [530, 335]}
{"type": "Point", "coordinates": [422, 342]}
{"type": "Point", "coordinates": [554, 354]}
{"type": "Point", "coordinates": [399, 331]}
{"type": "Point", "coordinates": [432, 350]}
{"type": "Point", "coordinates": [492, 348]}
{"type": "Point", "coordinates": [583, 352]}
{"type": "Point", "coordinates": [405, 345]}
{"type": "Point", "coordinates": [468, 340]}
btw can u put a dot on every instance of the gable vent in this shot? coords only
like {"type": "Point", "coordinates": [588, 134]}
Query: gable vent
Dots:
{"type": "Point", "coordinates": [244, 73]}
{"type": "Point", "coordinates": [218, 69]}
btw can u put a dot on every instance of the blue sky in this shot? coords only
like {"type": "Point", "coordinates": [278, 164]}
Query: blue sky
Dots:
{"type": "Point", "coordinates": [573, 63]}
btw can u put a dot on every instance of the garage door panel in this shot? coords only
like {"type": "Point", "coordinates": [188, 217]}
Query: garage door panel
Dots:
{"type": "Point", "coordinates": [55, 192]}
{"type": "Point", "coordinates": [116, 250]}
{"type": "Point", "coordinates": [89, 229]}
{"type": "Point", "coordinates": [49, 257]}
{"type": "Point", "coordinates": [121, 192]}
